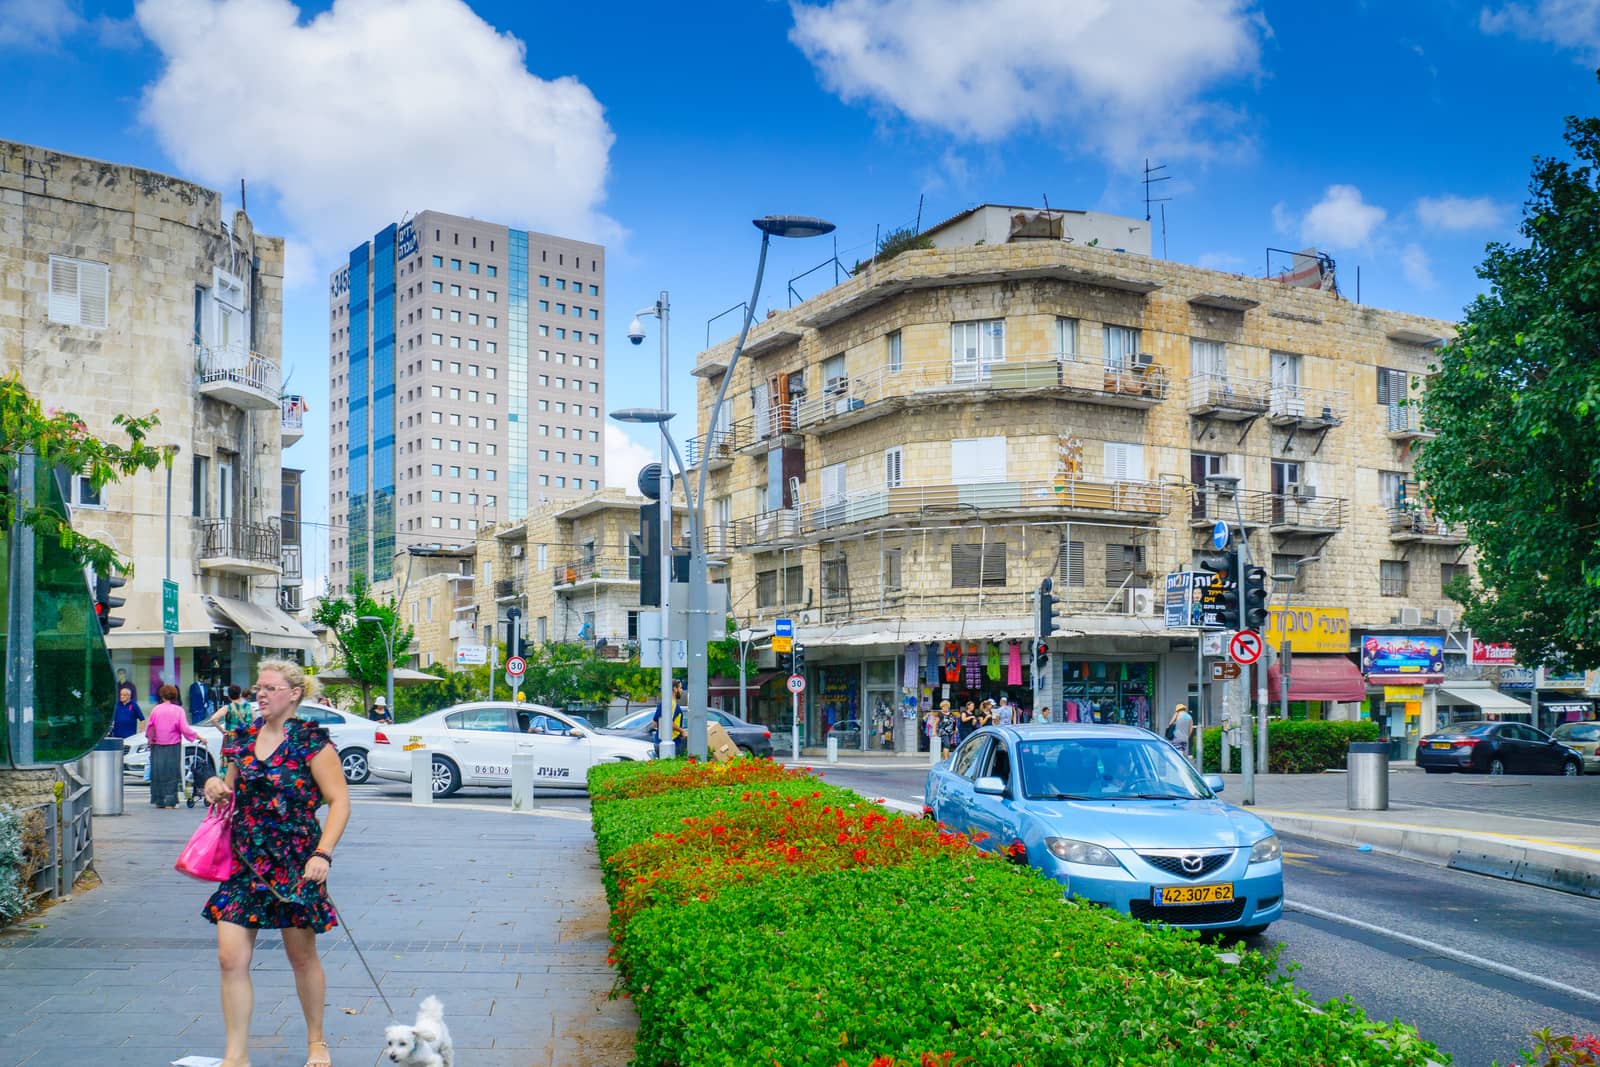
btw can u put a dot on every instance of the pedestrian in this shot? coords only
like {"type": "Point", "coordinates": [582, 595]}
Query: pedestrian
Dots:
{"type": "Point", "coordinates": [949, 728]}
{"type": "Point", "coordinates": [281, 770]}
{"type": "Point", "coordinates": [680, 736]}
{"type": "Point", "coordinates": [200, 707]}
{"type": "Point", "coordinates": [930, 729]}
{"type": "Point", "coordinates": [966, 722]}
{"type": "Point", "coordinates": [1044, 713]}
{"type": "Point", "coordinates": [1182, 728]}
{"type": "Point", "coordinates": [167, 730]}
{"type": "Point", "coordinates": [1004, 714]}
{"type": "Point", "coordinates": [126, 715]}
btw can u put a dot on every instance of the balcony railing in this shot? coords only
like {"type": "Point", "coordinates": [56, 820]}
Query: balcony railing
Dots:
{"type": "Point", "coordinates": [595, 569]}
{"type": "Point", "coordinates": [1418, 523]}
{"type": "Point", "coordinates": [723, 444]}
{"type": "Point", "coordinates": [1298, 405]}
{"type": "Point", "coordinates": [1292, 512]}
{"type": "Point", "coordinates": [866, 599]}
{"type": "Point", "coordinates": [293, 419]}
{"type": "Point", "coordinates": [1405, 423]}
{"type": "Point", "coordinates": [239, 547]}
{"type": "Point", "coordinates": [508, 588]}
{"type": "Point", "coordinates": [238, 376]}
{"type": "Point", "coordinates": [1225, 397]}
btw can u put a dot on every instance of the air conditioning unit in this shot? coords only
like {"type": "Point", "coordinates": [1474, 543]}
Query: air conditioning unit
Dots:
{"type": "Point", "coordinates": [810, 617]}
{"type": "Point", "coordinates": [1445, 618]}
{"type": "Point", "coordinates": [462, 630]}
{"type": "Point", "coordinates": [1410, 616]}
{"type": "Point", "coordinates": [516, 551]}
{"type": "Point", "coordinates": [1302, 491]}
{"type": "Point", "coordinates": [1141, 360]}
{"type": "Point", "coordinates": [1139, 601]}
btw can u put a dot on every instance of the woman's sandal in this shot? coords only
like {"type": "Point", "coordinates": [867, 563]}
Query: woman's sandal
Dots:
{"type": "Point", "coordinates": [325, 1060]}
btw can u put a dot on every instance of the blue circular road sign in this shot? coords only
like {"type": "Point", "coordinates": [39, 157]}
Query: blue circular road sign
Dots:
{"type": "Point", "coordinates": [1220, 535]}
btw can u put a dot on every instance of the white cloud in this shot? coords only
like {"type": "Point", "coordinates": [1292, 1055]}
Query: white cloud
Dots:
{"type": "Point", "coordinates": [1341, 219]}
{"type": "Point", "coordinates": [1282, 218]}
{"type": "Point", "coordinates": [42, 24]}
{"type": "Point", "coordinates": [1460, 213]}
{"type": "Point", "coordinates": [1220, 261]}
{"type": "Point", "coordinates": [1129, 76]}
{"type": "Point", "coordinates": [371, 109]}
{"type": "Point", "coordinates": [1414, 264]}
{"type": "Point", "coordinates": [1569, 24]}
{"type": "Point", "coordinates": [624, 457]}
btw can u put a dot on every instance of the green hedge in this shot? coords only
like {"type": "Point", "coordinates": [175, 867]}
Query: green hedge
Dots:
{"type": "Point", "coordinates": [1298, 746]}
{"type": "Point", "coordinates": [945, 956]}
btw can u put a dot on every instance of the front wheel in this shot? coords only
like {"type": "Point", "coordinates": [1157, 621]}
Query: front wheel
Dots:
{"type": "Point", "coordinates": [1572, 768]}
{"type": "Point", "coordinates": [353, 761]}
{"type": "Point", "coordinates": [1497, 766]}
{"type": "Point", "coordinates": [446, 778]}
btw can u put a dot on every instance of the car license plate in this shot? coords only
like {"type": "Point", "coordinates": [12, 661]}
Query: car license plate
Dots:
{"type": "Point", "coordinates": [1440, 744]}
{"type": "Point", "coordinates": [1193, 894]}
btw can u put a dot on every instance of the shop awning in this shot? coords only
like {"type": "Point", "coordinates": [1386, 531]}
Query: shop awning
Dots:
{"type": "Point", "coordinates": [731, 685]}
{"type": "Point", "coordinates": [1320, 678]}
{"type": "Point", "coordinates": [142, 628]}
{"type": "Point", "coordinates": [1483, 695]}
{"type": "Point", "coordinates": [266, 626]}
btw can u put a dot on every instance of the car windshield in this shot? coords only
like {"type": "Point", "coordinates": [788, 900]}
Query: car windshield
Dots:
{"type": "Point", "coordinates": [1579, 731]}
{"type": "Point", "coordinates": [1107, 768]}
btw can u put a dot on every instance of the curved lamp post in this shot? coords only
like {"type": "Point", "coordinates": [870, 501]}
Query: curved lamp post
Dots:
{"type": "Point", "coordinates": [388, 648]}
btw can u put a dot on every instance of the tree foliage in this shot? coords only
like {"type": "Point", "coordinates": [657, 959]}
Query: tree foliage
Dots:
{"type": "Point", "coordinates": [893, 243]}
{"type": "Point", "coordinates": [62, 440]}
{"type": "Point", "coordinates": [362, 651]}
{"type": "Point", "coordinates": [1515, 405]}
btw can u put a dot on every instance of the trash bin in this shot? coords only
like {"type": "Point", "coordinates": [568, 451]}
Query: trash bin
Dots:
{"type": "Point", "coordinates": [1367, 788]}
{"type": "Point", "coordinates": [105, 777]}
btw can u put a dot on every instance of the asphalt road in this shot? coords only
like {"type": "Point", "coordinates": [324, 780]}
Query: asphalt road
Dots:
{"type": "Point", "coordinates": [1474, 963]}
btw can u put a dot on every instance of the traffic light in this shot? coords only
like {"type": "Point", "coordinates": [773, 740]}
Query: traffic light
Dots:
{"type": "Point", "coordinates": [513, 632]}
{"type": "Point", "coordinates": [104, 602]}
{"type": "Point", "coordinates": [1047, 609]}
{"type": "Point", "coordinates": [1041, 658]}
{"type": "Point", "coordinates": [1219, 602]}
{"type": "Point", "coordinates": [798, 660]}
{"type": "Point", "coordinates": [1253, 597]}
{"type": "Point", "coordinates": [647, 542]}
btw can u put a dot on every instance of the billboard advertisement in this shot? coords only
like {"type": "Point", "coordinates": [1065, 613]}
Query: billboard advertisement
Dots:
{"type": "Point", "coordinates": [1182, 603]}
{"type": "Point", "coordinates": [1500, 654]}
{"type": "Point", "coordinates": [1413, 657]}
{"type": "Point", "coordinates": [1312, 630]}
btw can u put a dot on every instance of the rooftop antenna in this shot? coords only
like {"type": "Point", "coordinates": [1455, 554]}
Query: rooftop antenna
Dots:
{"type": "Point", "coordinates": [241, 197]}
{"type": "Point", "coordinates": [1151, 176]}
{"type": "Point", "coordinates": [1163, 231]}
{"type": "Point", "coordinates": [920, 199]}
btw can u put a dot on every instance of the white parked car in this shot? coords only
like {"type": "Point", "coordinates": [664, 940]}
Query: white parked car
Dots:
{"type": "Point", "coordinates": [352, 735]}
{"type": "Point", "coordinates": [472, 744]}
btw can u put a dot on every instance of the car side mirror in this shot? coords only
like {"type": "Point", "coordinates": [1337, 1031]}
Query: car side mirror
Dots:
{"type": "Point", "coordinates": [575, 732]}
{"type": "Point", "coordinates": [989, 786]}
{"type": "Point", "coordinates": [1214, 782]}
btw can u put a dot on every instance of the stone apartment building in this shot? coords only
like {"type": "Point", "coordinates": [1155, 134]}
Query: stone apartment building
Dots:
{"type": "Point", "coordinates": [900, 461]}
{"type": "Point", "coordinates": [125, 290]}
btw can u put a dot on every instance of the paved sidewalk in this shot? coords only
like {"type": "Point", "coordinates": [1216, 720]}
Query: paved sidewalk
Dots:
{"type": "Point", "coordinates": [500, 915]}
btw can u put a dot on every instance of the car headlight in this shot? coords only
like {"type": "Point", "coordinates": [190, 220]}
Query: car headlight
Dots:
{"type": "Point", "coordinates": [1065, 848]}
{"type": "Point", "coordinates": [1266, 850]}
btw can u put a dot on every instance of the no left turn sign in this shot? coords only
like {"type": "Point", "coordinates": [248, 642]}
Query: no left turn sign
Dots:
{"type": "Point", "coordinates": [1245, 648]}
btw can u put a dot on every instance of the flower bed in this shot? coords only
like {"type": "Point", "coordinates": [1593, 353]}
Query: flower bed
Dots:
{"type": "Point", "coordinates": [798, 924]}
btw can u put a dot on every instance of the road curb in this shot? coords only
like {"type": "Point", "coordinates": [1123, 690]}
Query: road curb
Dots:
{"type": "Point", "coordinates": [1552, 866]}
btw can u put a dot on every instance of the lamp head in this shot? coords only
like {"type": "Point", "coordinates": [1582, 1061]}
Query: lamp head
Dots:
{"type": "Point", "coordinates": [648, 416]}
{"type": "Point", "coordinates": [792, 226]}
{"type": "Point", "coordinates": [636, 331]}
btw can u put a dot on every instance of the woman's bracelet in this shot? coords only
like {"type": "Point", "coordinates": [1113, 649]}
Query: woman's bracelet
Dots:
{"type": "Point", "coordinates": [325, 856]}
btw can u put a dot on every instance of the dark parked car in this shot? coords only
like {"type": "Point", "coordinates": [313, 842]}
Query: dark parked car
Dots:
{"type": "Point", "coordinates": [752, 738]}
{"type": "Point", "coordinates": [1496, 748]}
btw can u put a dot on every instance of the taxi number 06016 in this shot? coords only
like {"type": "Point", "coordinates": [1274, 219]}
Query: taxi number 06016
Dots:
{"type": "Point", "coordinates": [491, 770]}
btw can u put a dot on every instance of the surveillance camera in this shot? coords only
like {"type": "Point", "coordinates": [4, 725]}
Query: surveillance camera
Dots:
{"type": "Point", "coordinates": [636, 332]}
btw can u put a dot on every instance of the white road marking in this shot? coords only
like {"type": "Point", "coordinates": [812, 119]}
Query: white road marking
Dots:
{"type": "Point", "coordinates": [1468, 958]}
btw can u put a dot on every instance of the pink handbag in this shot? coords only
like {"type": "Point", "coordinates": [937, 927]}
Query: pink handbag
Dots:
{"type": "Point", "coordinates": [209, 854]}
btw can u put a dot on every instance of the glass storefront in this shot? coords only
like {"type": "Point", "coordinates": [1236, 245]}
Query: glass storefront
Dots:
{"type": "Point", "coordinates": [1108, 691]}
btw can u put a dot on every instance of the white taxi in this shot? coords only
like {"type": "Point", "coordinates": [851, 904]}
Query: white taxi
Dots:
{"type": "Point", "coordinates": [473, 744]}
{"type": "Point", "coordinates": [351, 734]}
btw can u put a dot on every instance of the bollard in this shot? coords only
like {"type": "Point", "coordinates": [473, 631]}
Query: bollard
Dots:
{"type": "Point", "coordinates": [935, 750]}
{"type": "Point", "coordinates": [421, 776]}
{"type": "Point", "coordinates": [1367, 787]}
{"type": "Point", "coordinates": [522, 781]}
{"type": "Point", "coordinates": [666, 749]}
{"type": "Point", "coordinates": [833, 750]}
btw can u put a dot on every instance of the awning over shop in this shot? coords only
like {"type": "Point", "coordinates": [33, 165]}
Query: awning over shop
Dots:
{"type": "Point", "coordinates": [265, 626]}
{"type": "Point", "coordinates": [403, 676]}
{"type": "Point", "coordinates": [1319, 678]}
{"type": "Point", "coordinates": [731, 685]}
{"type": "Point", "coordinates": [142, 626]}
{"type": "Point", "coordinates": [1483, 695]}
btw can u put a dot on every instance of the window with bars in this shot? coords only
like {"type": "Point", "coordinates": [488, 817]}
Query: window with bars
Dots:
{"type": "Point", "coordinates": [892, 561]}
{"type": "Point", "coordinates": [1069, 563]}
{"type": "Point", "coordinates": [835, 579]}
{"type": "Point", "coordinates": [794, 585]}
{"type": "Point", "coordinates": [80, 292]}
{"type": "Point", "coordinates": [1125, 562]}
{"type": "Point", "coordinates": [978, 566]}
{"type": "Point", "coordinates": [1392, 577]}
{"type": "Point", "coordinates": [766, 589]}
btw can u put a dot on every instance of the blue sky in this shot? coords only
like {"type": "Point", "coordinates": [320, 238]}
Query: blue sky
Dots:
{"type": "Point", "coordinates": [1397, 137]}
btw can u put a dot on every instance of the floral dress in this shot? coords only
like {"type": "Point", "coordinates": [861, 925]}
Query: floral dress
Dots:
{"type": "Point", "coordinates": [275, 831]}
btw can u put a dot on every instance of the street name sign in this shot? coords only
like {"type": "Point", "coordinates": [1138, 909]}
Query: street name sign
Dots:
{"type": "Point", "coordinates": [169, 606]}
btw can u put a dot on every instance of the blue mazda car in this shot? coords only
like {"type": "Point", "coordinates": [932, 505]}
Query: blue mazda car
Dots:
{"type": "Point", "coordinates": [1116, 816]}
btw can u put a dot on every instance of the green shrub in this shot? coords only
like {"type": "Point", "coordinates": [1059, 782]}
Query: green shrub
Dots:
{"type": "Point", "coordinates": [1304, 746]}
{"type": "Point", "coordinates": [886, 943]}
{"type": "Point", "coordinates": [21, 850]}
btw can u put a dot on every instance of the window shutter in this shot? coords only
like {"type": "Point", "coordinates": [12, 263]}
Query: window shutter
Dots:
{"type": "Point", "coordinates": [833, 483]}
{"type": "Point", "coordinates": [1391, 385]}
{"type": "Point", "coordinates": [1124, 462]}
{"type": "Point", "coordinates": [891, 468]}
{"type": "Point", "coordinates": [1122, 561]}
{"type": "Point", "coordinates": [64, 291]}
{"type": "Point", "coordinates": [978, 566]}
{"type": "Point", "coordinates": [1069, 563]}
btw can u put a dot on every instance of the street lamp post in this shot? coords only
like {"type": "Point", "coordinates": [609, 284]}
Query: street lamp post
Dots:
{"type": "Point", "coordinates": [1229, 483]}
{"type": "Point", "coordinates": [388, 648]}
{"type": "Point", "coordinates": [747, 637]}
{"type": "Point", "coordinates": [169, 668]}
{"type": "Point", "coordinates": [661, 310]}
{"type": "Point", "coordinates": [1285, 653]}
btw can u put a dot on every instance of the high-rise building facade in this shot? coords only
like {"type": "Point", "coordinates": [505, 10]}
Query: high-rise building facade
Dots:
{"type": "Point", "coordinates": [466, 384]}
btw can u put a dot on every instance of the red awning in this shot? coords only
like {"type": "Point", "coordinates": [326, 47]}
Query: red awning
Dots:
{"type": "Point", "coordinates": [1320, 678]}
{"type": "Point", "coordinates": [731, 685]}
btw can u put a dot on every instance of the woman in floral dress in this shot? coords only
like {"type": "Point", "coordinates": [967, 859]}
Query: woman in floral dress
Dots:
{"type": "Point", "coordinates": [279, 772]}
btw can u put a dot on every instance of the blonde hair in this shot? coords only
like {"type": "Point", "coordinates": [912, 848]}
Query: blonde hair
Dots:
{"type": "Point", "coordinates": [293, 674]}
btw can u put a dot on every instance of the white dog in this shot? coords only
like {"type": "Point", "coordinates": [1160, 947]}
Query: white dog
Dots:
{"type": "Point", "coordinates": [425, 1043]}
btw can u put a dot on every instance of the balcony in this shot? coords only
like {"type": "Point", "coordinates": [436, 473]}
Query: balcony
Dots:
{"type": "Point", "coordinates": [294, 418]}
{"type": "Point", "coordinates": [1405, 423]}
{"type": "Point", "coordinates": [507, 589]}
{"type": "Point", "coordinates": [594, 570]}
{"type": "Point", "coordinates": [769, 529]}
{"type": "Point", "coordinates": [237, 376]}
{"type": "Point", "coordinates": [1295, 513]}
{"type": "Point", "coordinates": [1416, 524]}
{"type": "Point", "coordinates": [721, 539]}
{"type": "Point", "coordinates": [770, 427]}
{"type": "Point", "coordinates": [1104, 501]}
{"type": "Point", "coordinates": [1302, 408]}
{"type": "Point", "coordinates": [229, 546]}
{"type": "Point", "coordinates": [290, 571]}
{"type": "Point", "coordinates": [1207, 506]}
{"type": "Point", "coordinates": [461, 596]}
{"type": "Point", "coordinates": [721, 449]}
{"type": "Point", "coordinates": [1218, 396]}
{"type": "Point", "coordinates": [289, 599]}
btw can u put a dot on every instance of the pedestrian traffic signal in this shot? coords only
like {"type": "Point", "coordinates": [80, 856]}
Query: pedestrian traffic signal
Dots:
{"type": "Point", "coordinates": [1253, 598]}
{"type": "Point", "coordinates": [104, 602]}
{"type": "Point", "coordinates": [1041, 659]}
{"type": "Point", "coordinates": [1219, 600]}
{"type": "Point", "coordinates": [1047, 608]}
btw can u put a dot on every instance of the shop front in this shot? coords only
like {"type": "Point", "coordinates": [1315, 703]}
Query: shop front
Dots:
{"type": "Point", "coordinates": [1403, 672]}
{"type": "Point", "coordinates": [1313, 643]}
{"type": "Point", "coordinates": [1116, 691]}
{"type": "Point", "coordinates": [1472, 701]}
{"type": "Point", "coordinates": [1559, 698]}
